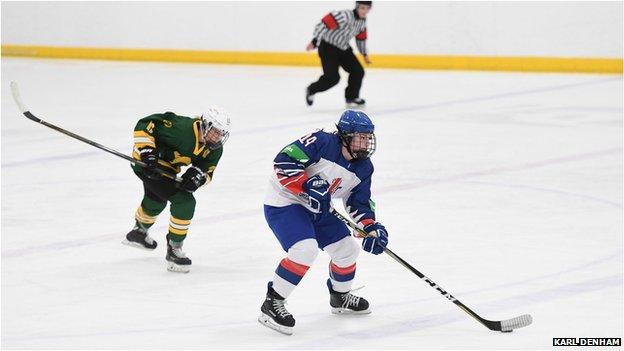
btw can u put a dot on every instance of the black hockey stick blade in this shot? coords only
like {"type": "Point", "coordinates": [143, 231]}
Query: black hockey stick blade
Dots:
{"type": "Point", "coordinates": [29, 115]}
{"type": "Point", "coordinates": [505, 326]}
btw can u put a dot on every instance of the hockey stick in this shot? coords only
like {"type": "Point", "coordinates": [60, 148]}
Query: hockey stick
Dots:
{"type": "Point", "coordinates": [30, 116]}
{"type": "Point", "coordinates": [505, 326]}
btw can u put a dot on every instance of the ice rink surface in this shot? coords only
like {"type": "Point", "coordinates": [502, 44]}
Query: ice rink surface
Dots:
{"type": "Point", "coordinates": [504, 188]}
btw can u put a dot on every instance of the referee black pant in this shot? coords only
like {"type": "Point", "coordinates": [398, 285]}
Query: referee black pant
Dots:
{"type": "Point", "coordinates": [332, 58]}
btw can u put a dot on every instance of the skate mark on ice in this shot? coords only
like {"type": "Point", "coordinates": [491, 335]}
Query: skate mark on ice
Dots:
{"type": "Point", "coordinates": [392, 329]}
{"type": "Point", "coordinates": [498, 96]}
{"type": "Point", "coordinates": [350, 339]}
{"type": "Point", "coordinates": [62, 157]}
{"type": "Point", "coordinates": [580, 267]}
{"type": "Point", "coordinates": [379, 190]}
{"type": "Point", "coordinates": [503, 169]}
{"type": "Point", "coordinates": [55, 246]}
{"type": "Point", "coordinates": [381, 112]}
{"type": "Point", "coordinates": [518, 186]}
{"type": "Point", "coordinates": [552, 191]}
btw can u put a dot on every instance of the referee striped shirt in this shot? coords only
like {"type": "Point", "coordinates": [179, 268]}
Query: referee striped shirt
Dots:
{"type": "Point", "coordinates": [339, 27]}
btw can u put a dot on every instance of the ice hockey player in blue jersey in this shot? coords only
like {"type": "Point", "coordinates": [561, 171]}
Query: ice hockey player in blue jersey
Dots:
{"type": "Point", "coordinates": [308, 174]}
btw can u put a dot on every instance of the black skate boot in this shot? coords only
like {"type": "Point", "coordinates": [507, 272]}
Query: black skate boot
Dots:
{"type": "Point", "coordinates": [274, 314]}
{"type": "Point", "coordinates": [346, 303]}
{"type": "Point", "coordinates": [176, 258]}
{"type": "Point", "coordinates": [138, 238]}
{"type": "Point", "coordinates": [357, 102]}
{"type": "Point", "coordinates": [309, 97]}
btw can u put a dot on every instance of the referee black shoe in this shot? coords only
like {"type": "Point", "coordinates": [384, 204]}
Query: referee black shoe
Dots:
{"type": "Point", "coordinates": [309, 97]}
{"type": "Point", "coordinates": [357, 102]}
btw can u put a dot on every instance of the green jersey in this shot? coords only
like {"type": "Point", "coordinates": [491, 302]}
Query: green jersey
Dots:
{"type": "Point", "coordinates": [178, 141]}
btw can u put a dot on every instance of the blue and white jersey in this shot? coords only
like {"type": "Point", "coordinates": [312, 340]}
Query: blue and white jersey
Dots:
{"type": "Point", "coordinates": [319, 154]}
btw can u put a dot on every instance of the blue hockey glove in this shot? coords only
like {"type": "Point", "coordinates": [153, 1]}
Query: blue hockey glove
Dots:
{"type": "Point", "coordinates": [316, 192]}
{"type": "Point", "coordinates": [372, 244]}
{"type": "Point", "coordinates": [192, 179]}
{"type": "Point", "coordinates": [149, 156]}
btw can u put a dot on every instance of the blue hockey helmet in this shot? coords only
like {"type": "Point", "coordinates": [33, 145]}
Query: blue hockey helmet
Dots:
{"type": "Point", "coordinates": [353, 121]}
{"type": "Point", "coordinates": [357, 133]}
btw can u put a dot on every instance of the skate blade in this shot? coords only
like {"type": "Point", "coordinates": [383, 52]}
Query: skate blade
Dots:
{"type": "Point", "coordinates": [176, 268]}
{"type": "Point", "coordinates": [355, 106]}
{"type": "Point", "coordinates": [137, 245]}
{"type": "Point", "coordinates": [269, 323]}
{"type": "Point", "coordinates": [340, 310]}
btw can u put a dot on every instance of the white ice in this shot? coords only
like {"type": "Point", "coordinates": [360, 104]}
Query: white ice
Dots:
{"type": "Point", "coordinates": [503, 188]}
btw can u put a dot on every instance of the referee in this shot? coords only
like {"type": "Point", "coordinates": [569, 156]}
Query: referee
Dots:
{"type": "Point", "coordinates": [332, 36]}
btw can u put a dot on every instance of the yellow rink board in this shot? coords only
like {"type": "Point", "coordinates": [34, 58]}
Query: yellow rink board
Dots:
{"type": "Point", "coordinates": [470, 63]}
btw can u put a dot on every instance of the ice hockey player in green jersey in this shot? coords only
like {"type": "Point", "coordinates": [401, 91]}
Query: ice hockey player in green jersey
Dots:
{"type": "Point", "coordinates": [169, 142]}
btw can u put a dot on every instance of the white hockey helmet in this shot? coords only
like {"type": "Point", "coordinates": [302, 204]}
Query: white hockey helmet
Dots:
{"type": "Point", "coordinates": [215, 127]}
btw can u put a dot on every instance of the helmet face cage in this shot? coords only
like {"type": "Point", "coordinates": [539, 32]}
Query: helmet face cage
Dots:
{"type": "Point", "coordinates": [210, 127]}
{"type": "Point", "coordinates": [359, 145]}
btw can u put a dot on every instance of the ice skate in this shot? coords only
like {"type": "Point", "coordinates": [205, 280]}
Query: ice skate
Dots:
{"type": "Point", "coordinates": [139, 238]}
{"type": "Point", "coordinates": [274, 314]}
{"type": "Point", "coordinates": [176, 258]}
{"type": "Point", "coordinates": [346, 303]}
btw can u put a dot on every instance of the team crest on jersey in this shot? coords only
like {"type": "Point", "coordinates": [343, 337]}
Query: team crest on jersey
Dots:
{"type": "Point", "coordinates": [167, 123]}
{"type": "Point", "coordinates": [335, 185]}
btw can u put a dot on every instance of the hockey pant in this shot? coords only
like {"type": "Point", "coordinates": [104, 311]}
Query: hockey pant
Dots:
{"type": "Point", "coordinates": [156, 194]}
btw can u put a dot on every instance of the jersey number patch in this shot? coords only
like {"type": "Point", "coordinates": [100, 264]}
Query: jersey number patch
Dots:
{"type": "Point", "coordinates": [150, 127]}
{"type": "Point", "coordinates": [307, 139]}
